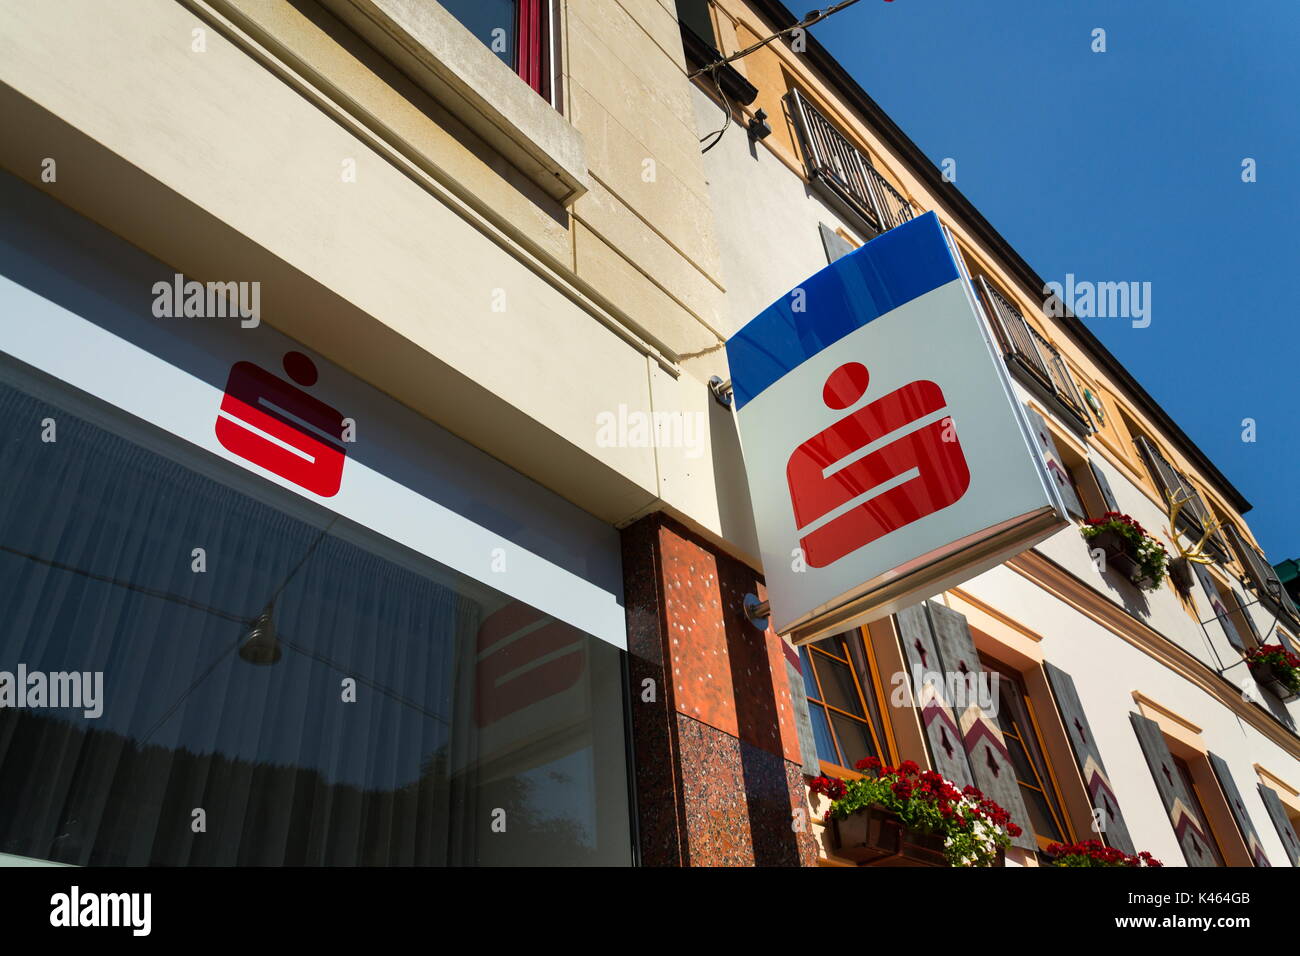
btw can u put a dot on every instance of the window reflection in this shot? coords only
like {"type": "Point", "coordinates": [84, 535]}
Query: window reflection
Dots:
{"type": "Point", "coordinates": [407, 706]}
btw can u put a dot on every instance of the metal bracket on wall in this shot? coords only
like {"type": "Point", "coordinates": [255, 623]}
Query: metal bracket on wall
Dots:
{"type": "Point", "coordinates": [721, 390]}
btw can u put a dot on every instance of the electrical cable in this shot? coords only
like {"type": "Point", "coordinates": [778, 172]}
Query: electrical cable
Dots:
{"type": "Point", "coordinates": [726, 106]}
{"type": "Point", "coordinates": [815, 16]}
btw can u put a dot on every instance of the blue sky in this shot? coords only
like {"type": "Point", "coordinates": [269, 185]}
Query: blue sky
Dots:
{"type": "Point", "coordinates": [1126, 166]}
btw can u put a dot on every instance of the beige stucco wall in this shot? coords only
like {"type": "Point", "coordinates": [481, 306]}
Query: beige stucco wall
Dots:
{"type": "Point", "coordinates": [441, 273]}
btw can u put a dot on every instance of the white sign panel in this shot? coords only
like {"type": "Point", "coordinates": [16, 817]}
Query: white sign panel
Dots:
{"type": "Point", "coordinates": [887, 457]}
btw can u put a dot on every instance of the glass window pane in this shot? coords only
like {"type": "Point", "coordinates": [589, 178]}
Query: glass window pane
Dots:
{"type": "Point", "coordinates": [1040, 816]}
{"type": "Point", "coordinates": [466, 700]}
{"type": "Point", "coordinates": [822, 734]}
{"type": "Point", "coordinates": [1020, 760]}
{"type": "Point", "coordinates": [854, 737]}
{"type": "Point", "coordinates": [838, 686]}
{"type": "Point", "coordinates": [492, 21]}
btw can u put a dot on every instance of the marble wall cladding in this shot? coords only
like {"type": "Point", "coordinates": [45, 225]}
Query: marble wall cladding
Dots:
{"type": "Point", "coordinates": [717, 756]}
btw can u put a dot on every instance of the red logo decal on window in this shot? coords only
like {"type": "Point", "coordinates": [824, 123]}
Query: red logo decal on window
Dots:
{"type": "Point", "coordinates": [267, 421]}
{"type": "Point", "coordinates": [518, 667]}
{"type": "Point", "coordinates": [922, 470]}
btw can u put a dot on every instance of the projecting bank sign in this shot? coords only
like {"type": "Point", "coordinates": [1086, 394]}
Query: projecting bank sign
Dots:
{"type": "Point", "coordinates": [887, 456]}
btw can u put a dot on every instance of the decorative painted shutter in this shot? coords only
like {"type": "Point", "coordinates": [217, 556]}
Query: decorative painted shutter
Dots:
{"type": "Point", "coordinates": [1212, 594]}
{"type": "Point", "coordinates": [947, 754]}
{"type": "Point", "coordinates": [1233, 796]}
{"type": "Point", "coordinates": [836, 246]}
{"type": "Point", "coordinates": [1103, 485]}
{"type": "Point", "coordinates": [1055, 463]}
{"type": "Point", "coordinates": [1179, 804]}
{"type": "Point", "coordinates": [1240, 605]}
{"type": "Point", "coordinates": [1281, 822]}
{"type": "Point", "coordinates": [1107, 813]}
{"type": "Point", "coordinates": [990, 762]}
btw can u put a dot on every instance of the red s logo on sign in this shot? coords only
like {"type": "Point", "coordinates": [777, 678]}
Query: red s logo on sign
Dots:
{"type": "Point", "coordinates": [924, 469]}
{"type": "Point", "coordinates": [267, 421]}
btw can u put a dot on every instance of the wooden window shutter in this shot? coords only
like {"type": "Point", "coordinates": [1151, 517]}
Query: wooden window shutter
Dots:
{"type": "Point", "coordinates": [1163, 472]}
{"type": "Point", "coordinates": [1262, 576]}
{"type": "Point", "coordinates": [1103, 485]}
{"type": "Point", "coordinates": [836, 246]}
{"type": "Point", "coordinates": [1239, 814]}
{"type": "Point", "coordinates": [1235, 638]}
{"type": "Point", "coordinates": [1056, 468]}
{"type": "Point", "coordinates": [1109, 819]}
{"type": "Point", "coordinates": [947, 753]}
{"type": "Point", "coordinates": [1218, 548]}
{"type": "Point", "coordinates": [1281, 822]}
{"type": "Point", "coordinates": [802, 716]}
{"type": "Point", "coordinates": [1179, 804]}
{"type": "Point", "coordinates": [981, 737]}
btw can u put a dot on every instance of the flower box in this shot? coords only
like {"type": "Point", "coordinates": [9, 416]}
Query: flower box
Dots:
{"type": "Point", "coordinates": [1128, 549]}
{"type": "Point", "coordinates": [875, 837]}
{"type": "Point", "coordinates": [906, 816]}
{"type": "Point", "coordinates": [1117, 553]}
{"type": "Point", "coordinates": [1272, 678]}
{"type": "Point", "coordinates": [1094, 853]}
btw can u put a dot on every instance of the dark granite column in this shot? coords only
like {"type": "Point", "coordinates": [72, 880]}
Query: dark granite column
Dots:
{"type": "Point", "coordinates": [717, 772]}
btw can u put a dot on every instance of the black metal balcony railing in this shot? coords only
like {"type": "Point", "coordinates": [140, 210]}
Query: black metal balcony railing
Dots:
{"type": "Point", "coordinates": [1023, 342]}
{"type": "Point", "coordinates": [833, 159]}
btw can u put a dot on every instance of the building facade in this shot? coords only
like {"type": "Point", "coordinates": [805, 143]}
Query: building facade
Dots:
{"type": "Point", "coordinates": [368, 486]}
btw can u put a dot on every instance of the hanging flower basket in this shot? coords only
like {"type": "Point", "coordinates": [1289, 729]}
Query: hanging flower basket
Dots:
{"type": "Point", "coordinates": [1094, 853]}
{"type": "Point", "coordinates": [904, 816]}
{"type": "Point", "coordinates": [1180, 574]}
{"type": "Point", "coordinates": [1277, 670]}
{"type": "Point", "coordinates": [1128, 549]}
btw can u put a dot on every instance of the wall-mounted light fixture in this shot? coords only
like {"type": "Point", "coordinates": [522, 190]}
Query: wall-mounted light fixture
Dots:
{"type": "Point", "coordinates": [759, 127]}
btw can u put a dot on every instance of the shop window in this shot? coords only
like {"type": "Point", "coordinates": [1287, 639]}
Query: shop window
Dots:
{"type": "Point", "coordinates": [326, 695]}
{"type": "Point", "coordinates": [1038, 789]}
{"type": "Point", "coordinates": [517, 31]}
{"type": "Point", "coordinates": [844, 700]}
{"type": "Point", "coordinates": [1189, 781]}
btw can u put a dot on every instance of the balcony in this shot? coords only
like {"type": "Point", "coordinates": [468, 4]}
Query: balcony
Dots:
{"type": "Point", "coordinates": [1034, 360]}
{"type": "Point", "coordinates": [845, 171]}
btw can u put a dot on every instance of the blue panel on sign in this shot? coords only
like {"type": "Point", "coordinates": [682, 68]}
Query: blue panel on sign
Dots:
{"type": "Point", "coordinates": [889, 271]}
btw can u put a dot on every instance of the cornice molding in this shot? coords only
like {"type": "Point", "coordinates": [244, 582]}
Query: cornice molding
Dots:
{"type": "Point", "coordinates": [1069, 589]}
